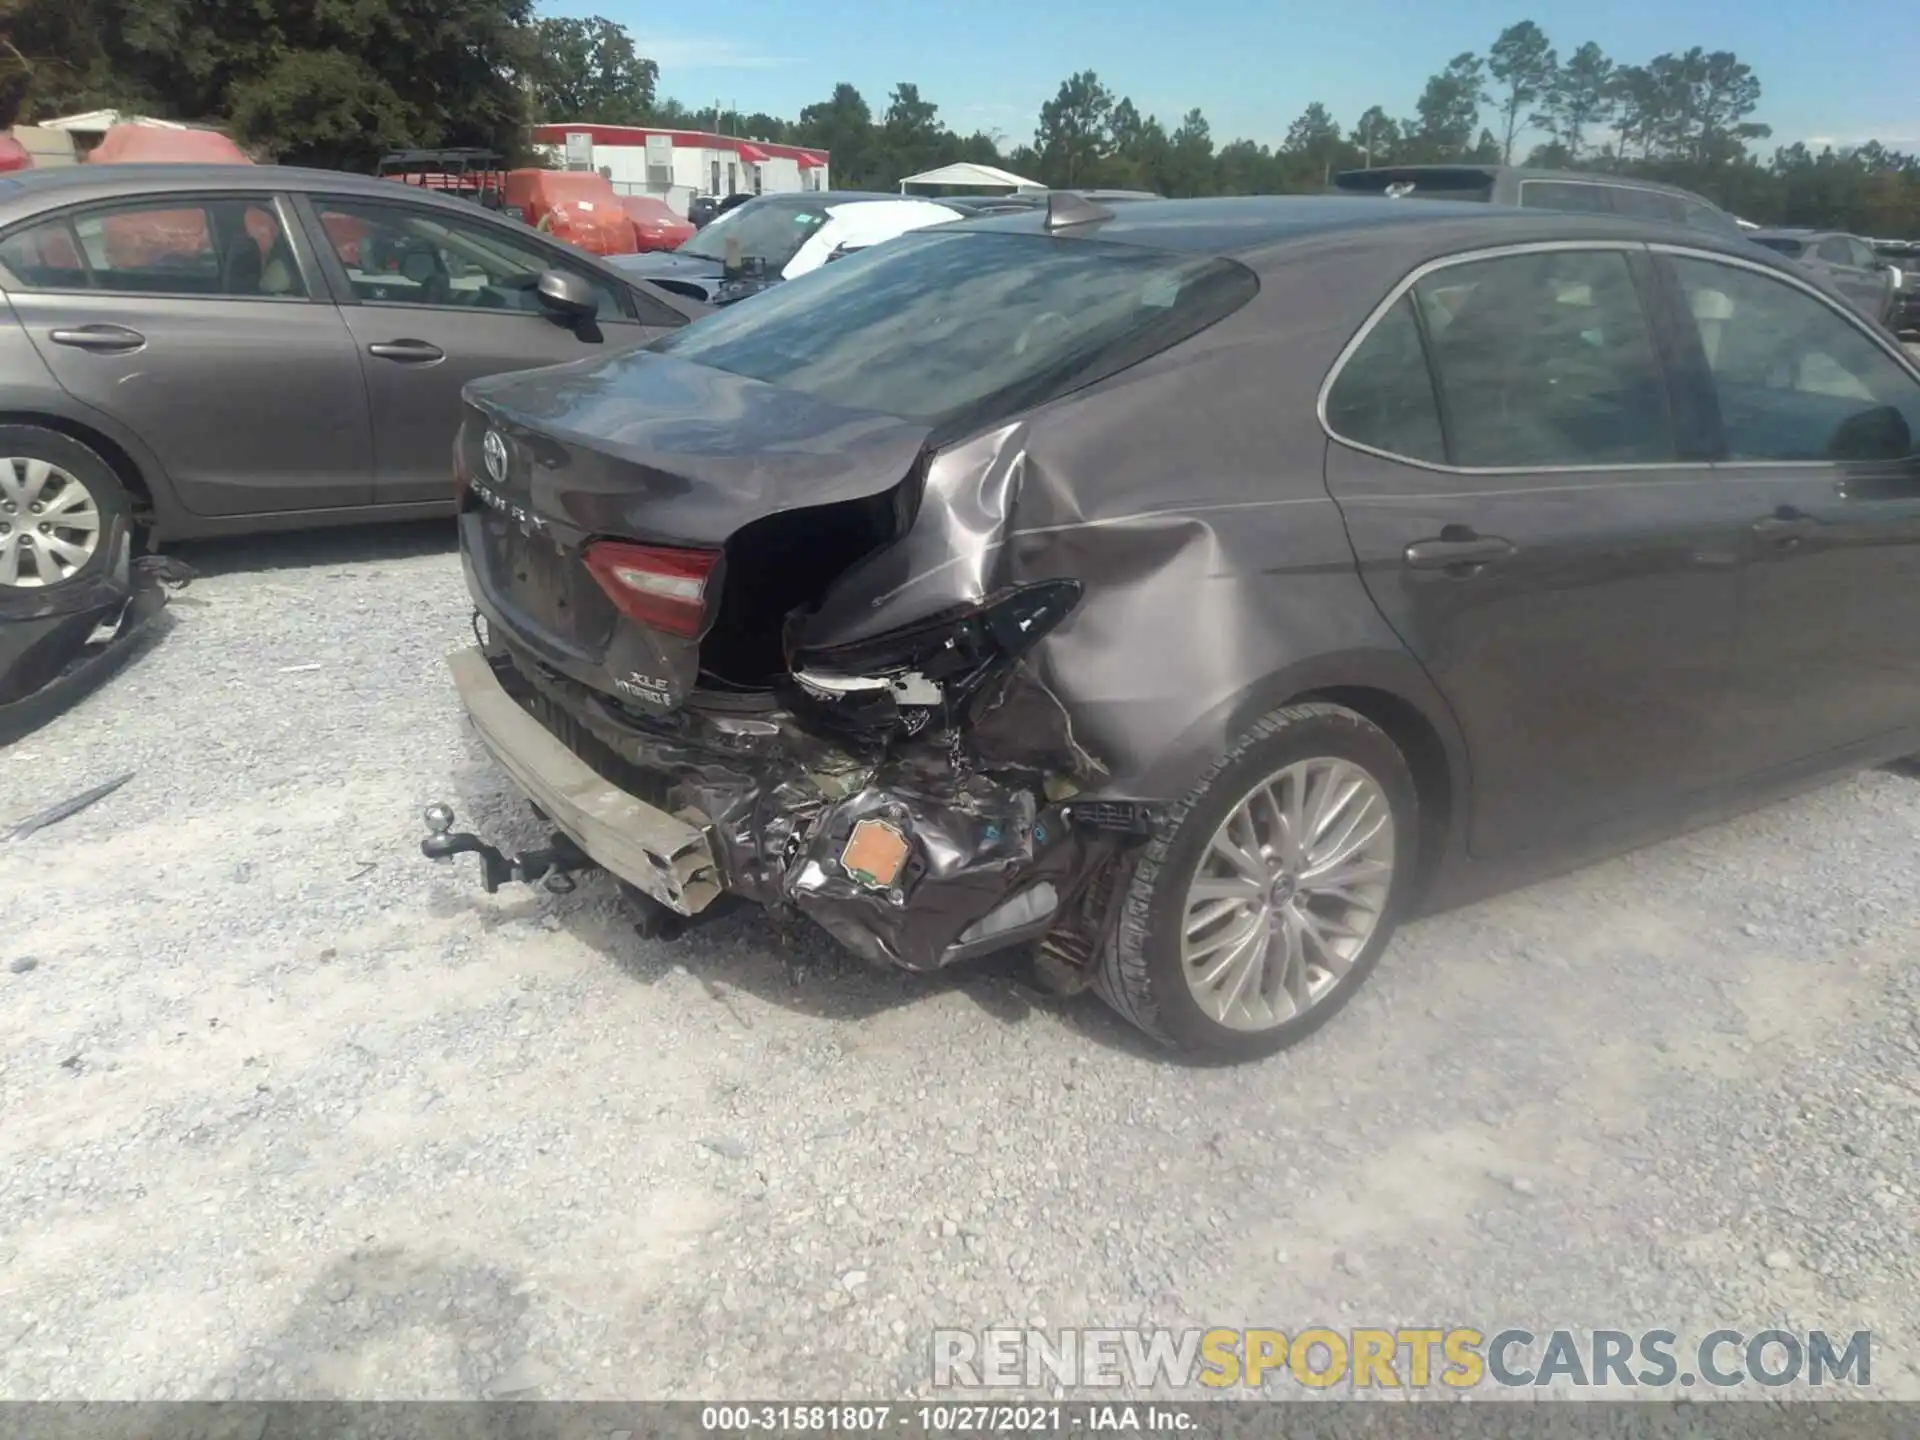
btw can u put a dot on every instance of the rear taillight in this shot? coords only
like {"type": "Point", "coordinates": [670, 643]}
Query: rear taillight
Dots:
{"type": "Point", "coordinates": [662, 589]}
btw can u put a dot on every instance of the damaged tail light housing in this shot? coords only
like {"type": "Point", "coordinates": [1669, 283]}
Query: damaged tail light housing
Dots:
{"type": "Point", "coordinates": [901, 679]}
{"type": "Point", "coordinates": [660, 588]}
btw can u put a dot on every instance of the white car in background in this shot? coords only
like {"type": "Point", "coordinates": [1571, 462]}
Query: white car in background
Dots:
{"type": "Point", "coordinates": [781, 237]}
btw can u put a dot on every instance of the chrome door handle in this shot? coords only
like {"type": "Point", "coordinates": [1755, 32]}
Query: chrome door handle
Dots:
{"type": "Point", "coordinates": [1463, 554]}
{"type": "Point", "coordinates": [407, 352]}
{"type": "Point", "coordinates": [103, 339]}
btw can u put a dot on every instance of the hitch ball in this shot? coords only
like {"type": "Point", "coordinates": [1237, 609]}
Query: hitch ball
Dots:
{"type": "Point", "coordinates": [439, 819]}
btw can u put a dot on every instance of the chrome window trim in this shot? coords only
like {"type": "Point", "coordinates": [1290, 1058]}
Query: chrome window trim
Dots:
{"type": "Point", "coordinates": [1889, 347]}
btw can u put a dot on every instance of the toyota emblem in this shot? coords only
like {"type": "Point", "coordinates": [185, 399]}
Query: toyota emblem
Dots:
{"type": "Point", "coordinates": [494, 450]}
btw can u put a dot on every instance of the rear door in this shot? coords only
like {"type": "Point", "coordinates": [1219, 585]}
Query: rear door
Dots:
{"type": "Point", "coordinates": [433, 300]}
{"type": "Point", "coordinates": [198, 323]}
{"type": "Point", "coordinates": [1530, 514]}
{"type": "Point", "coordinates": [1817, 418]}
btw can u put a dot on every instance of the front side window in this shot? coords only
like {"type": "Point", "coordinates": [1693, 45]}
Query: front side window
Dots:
{"type": "Point", "coordinates": [225, 248]}
{"type": "Point", "coordinates": [1784, 244]}
{"type": "Point", "coordinates": [1834, 251]}
{"type": "Point", "coordinates": [1383, 397]}
{"type": "Point", "coordinates": [1546, 359]}
{"type": "Point", "coordinates": [959, 328]}
{"type": "Point", "coordinates": [1795, 379]}
{"type": "Point", "coordinates": [396, 255]}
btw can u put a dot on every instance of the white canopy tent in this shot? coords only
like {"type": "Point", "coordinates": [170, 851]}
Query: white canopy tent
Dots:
{"type": "Point", "coordinates": [978, 177]}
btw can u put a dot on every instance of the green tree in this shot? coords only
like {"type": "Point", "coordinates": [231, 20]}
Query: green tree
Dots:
{"type": "Point", "coordinates": [1074, 138]}
{"type": "Point", "coordinates": [589, 71]}
{"type": "Point", "coordinates": [842, 124]}
{"type": "Point", "coordinates": [1448, 111]}
{"type": "Point", "coordinates": [1524, 66]}
{"type": "Point", "coordinates": [1580, 100]}
{"type": "Point", "coordinates": [329, 84]}
{"type": "Point", "coordinates": [1313, 149]}
{"type": "Point", "coordinates": [911, 135]}
{"type": "Point", "coordinates": [1189, 168]}
{"type": "Point", "coordinates": [1376, 135]}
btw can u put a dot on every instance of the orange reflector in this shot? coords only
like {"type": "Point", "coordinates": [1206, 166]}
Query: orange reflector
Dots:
{"type": "Point", "coordinates": [875, 854]}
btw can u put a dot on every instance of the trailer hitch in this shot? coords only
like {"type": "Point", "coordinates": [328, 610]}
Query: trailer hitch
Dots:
{"type": "Point", "coordinates": [553, 867]}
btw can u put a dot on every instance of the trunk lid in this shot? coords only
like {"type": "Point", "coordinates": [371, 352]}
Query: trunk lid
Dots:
{"type": "Point", "coordinates": [654, 451]}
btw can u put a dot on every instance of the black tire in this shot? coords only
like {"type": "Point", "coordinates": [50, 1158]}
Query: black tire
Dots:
{"type": "Point", "coordinates": [32, 442]}
{"type": "Point", "coordinates": [1140, 970]}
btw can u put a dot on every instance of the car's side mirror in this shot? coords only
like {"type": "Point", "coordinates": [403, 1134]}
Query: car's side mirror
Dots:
{"type": "Point", "coordinates": [567, 298]}
{"type": "Point", "coordinates": [1881, 433]}
{"type": "Point", "coordinates": [843, 251]}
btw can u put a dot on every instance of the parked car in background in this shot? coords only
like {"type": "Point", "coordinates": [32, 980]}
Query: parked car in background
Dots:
{"type": "Point", "coordinates": [655, 226]}
{"type": "Point", "coordinates": [1541, 190]}
{"type": "Point", "coordinates": [1845, 262]}
{"type": "Point", "coordinates": [1904, 257]}
{"type": "Point", "coordinates": [930, 596]}
{"type": "Point", "coordinates": [1037, 200]}
{"type": "Point", "coordinates": [226, 348]}
{"type": "Point", "coordinates": [577, 206]}
{"type": "Point", "coordinates": [779, 237]}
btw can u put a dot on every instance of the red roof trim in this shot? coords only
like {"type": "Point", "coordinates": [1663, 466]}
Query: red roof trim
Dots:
{"type": "Point", "coordinates": [682, 139]}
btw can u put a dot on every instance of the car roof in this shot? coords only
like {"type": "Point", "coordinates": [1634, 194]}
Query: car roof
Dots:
{"type": "Point", "coordinates": [29, 191]}
{"type": "Point", "coordinates": [1258, 227]}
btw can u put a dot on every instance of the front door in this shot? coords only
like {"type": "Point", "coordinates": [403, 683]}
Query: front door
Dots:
{"type": "Point", "coordinates": [191, 322]}
{"type": "Point", "coordinates": [433, 301]}
{"type": "Point", "coordinates": [1819, 420]}
{"type": "Point", "coordinates": [1516, 486]}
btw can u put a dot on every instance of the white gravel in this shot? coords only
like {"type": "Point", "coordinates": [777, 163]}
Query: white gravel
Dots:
{"type": "Point", "coordinates": [286, 1110]}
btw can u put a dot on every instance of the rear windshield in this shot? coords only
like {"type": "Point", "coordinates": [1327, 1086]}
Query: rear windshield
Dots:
{"type": "Point", "coordinates": [1784, 244]}
{"type": "Point", "coordinates": [960, 328]}
{"type": "Point", "coordinates": [770, 232]}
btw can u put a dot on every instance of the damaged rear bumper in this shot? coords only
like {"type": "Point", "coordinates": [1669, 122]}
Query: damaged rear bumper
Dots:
{"type": "Point", "coordinates": [665, 856]}
{"type": "Point", "coordinates": [912, 864]}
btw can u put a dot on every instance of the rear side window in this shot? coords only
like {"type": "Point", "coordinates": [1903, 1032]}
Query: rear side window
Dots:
{"type": "Point", "coordinates": [1383, 398]}
{"type": "Point", "coordinates": [1546, 360]}
{"type": "Point", "coordinates": [225, 248]}
{"type": "Point", "coordinates": [960, 328]}
{"type": "Point", "coordinates": [1564, 195]}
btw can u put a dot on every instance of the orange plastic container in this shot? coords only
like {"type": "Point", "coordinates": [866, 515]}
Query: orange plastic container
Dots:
{"type": "Point", "coordinates": [576, 206]}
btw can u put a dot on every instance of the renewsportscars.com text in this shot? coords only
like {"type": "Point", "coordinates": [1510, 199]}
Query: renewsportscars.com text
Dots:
{"type": "Point", "coordinates": [1401, 1358]}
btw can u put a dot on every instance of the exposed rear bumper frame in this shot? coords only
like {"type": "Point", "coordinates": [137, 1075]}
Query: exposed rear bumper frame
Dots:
{"type": "Point", "coordinates": [669, 857]}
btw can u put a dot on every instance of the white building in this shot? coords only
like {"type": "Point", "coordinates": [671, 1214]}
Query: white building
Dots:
{"type": "Point", "coordinates": [676, 165]}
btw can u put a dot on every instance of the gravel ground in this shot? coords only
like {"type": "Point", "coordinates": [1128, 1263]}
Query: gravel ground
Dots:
{"type": "Point", "coordinates": [291, 1112]}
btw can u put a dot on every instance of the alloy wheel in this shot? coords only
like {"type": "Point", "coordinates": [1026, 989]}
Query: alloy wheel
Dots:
{"type": "Point", "coordinates": [49, 523]}
{"type": "Point", "coordinates": [1288, 892]}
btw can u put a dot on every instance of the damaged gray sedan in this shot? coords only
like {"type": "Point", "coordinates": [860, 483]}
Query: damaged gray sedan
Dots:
{"type": "Point", "coordinates": [1183, 591]}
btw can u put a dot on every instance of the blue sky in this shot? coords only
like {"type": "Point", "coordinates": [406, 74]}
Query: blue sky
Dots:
{"type": "Point", "coordinates": [1840, 71]}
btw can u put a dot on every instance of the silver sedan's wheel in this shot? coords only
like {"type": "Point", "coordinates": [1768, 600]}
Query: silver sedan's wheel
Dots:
{"type": "Point", "coordinates": [1290, 889]}
{"type": "Point", "coordinates": [50, 523]}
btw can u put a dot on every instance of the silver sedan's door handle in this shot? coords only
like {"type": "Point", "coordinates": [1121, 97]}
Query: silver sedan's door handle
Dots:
{"type": "Point", "coordinates": [407, 352]}
{"type": "Point", "coordinates": [104, 339]}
